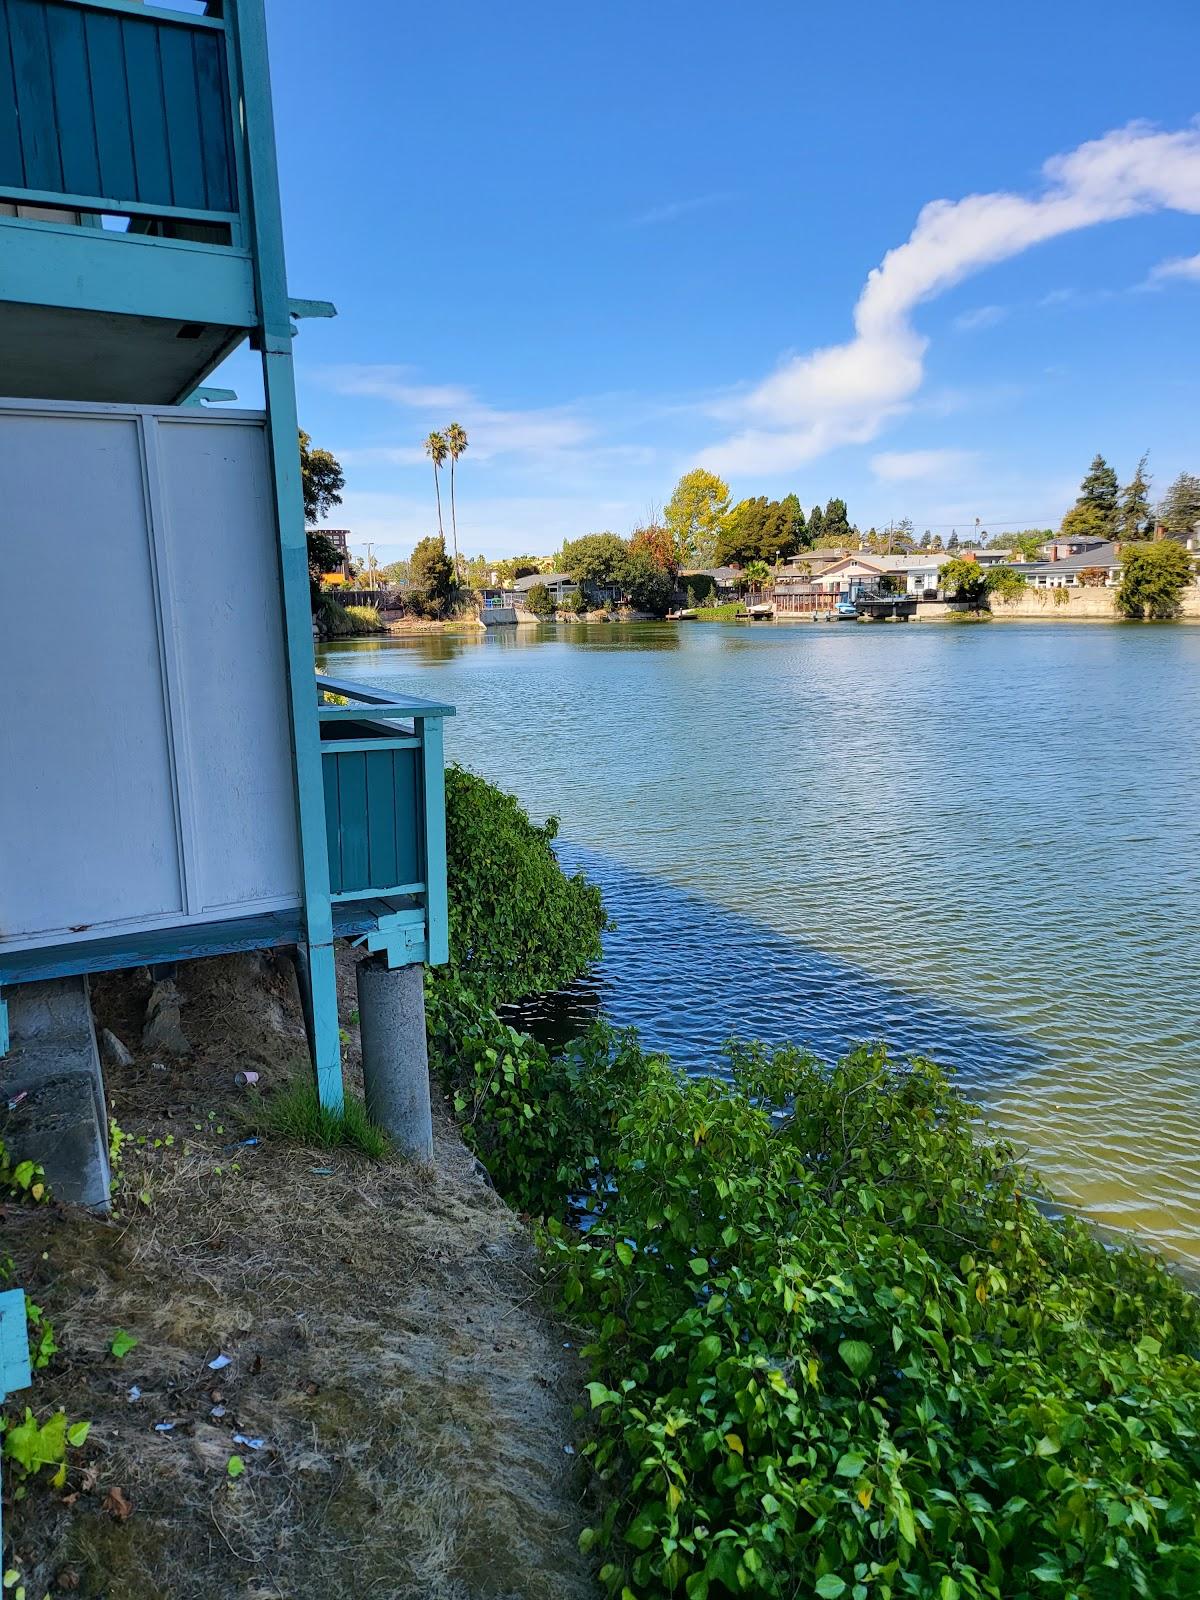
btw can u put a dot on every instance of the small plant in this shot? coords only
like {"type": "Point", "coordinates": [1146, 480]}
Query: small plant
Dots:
{"type": "Point", "coordinates": [43, 1346]}
{"type": "Point", "coordinates": [123, 1343]}
{"type": "Point", "coordinates": [295, 1112]}
{"type": "Point", "coordinates": [24, 1180]}
{"type": "Point", "coordinates": [1062, 595]}
{"type": "Point", "coordinates": [32, 1445]}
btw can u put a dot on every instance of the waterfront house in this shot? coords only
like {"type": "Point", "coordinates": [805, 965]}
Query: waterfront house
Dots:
{"type": "Point", "coordinates": [1097, 564]}
{"type": "Point", "coordinates": [560, 585]}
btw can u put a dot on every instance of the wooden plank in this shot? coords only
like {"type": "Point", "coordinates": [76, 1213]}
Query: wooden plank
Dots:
{"type": "Point", "coordinates": [216, 122]}
{"type": "Point", "coordinates": [73, 100]}
{"type": "Point", "coordinates": [35, 94]}
{"type": "Point", "coordinates": [381, 819]}
{"type": "Point", "coordinates": [410, 849]}
{"type": "Point", "coordinates": [110, 101]}
{"type": "Point", "coordinates": [433, 774]}
{"type": "Point", "coordinates": [352, 805]}
{"type": "Point", "coordinates": [183, 117]}
{"type": "Point", "coordinates": [147, 119]}
{"type": "Point", "coordinates": [333, 831]}
{"type": "Point", "coordinates": [12, 168]}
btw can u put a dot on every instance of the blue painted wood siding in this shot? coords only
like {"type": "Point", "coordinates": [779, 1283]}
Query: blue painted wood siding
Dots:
{"type": "Point", "coordinates": [99, 104]}
{"type": "Point", "coordinates": [374, 818]}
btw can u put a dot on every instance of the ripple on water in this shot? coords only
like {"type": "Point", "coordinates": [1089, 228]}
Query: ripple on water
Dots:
{"type": "Point", "coordinates": [972, 842]}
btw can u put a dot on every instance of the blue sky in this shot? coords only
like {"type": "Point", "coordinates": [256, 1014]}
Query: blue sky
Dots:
{"type": "Point", "coordinates": [622, 240]}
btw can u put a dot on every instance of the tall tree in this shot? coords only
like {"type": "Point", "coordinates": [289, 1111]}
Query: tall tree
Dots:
{"type": "Point", "coordinates": [816, 525]}
{"type": "Point", "coordinates": [756, 530]}
{"type": "Point", "coordinates": [437, 450]}
{"type": "Point", "coordinates": [1153, 578]}
{"type": "Point", "coordinates": [797, 529]}
{"type": "Point", "coordinates": [1181, 507]}
{"type": "Point", "coordinates": [1096, 502]}
{"type": "Point", "coordinates": [599, 560]}
{"type": "Point", "coordinates": [321, 480]}
{"type": "Point", "coordinates": [321, 483]}
{"type": "Point", "coordinates": [694, 514]}
{"type": "Point", "coordinates": [456, 443]}
{"type": "Point", "coordinates": [431, 572]}
{"type": "Point", "coordinates": [835, 522]}
{"type": "Point", "coordinates": [1133, 513]}
{"type": "Point", "coordinates": [658, 545]}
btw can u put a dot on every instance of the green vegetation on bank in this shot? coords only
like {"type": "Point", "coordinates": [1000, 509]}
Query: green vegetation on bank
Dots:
{"type": "Point", "coordinates": [726, 613]}
{"type": "Point", "coordinates": [835, 1345]}
{"type": "Point", "coordinates": [1153, 578]}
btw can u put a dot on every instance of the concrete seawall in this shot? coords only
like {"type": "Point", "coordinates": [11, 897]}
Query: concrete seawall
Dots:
{"type": "Point", "coordinates": [1040, 605]}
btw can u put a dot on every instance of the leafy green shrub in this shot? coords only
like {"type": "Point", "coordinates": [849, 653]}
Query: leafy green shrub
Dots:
{"type": "Point", "coordinates": [841, 1352]}
{"type": "Point", "coordinates": [1153, 578]}
{"type": "Point", "coordinates": [518, 924]}
{"type": "Point", "coordinates": [724, 613]}
{"type": "Point", "coordinates": [540, 601]}
{"type": "Point", "coordinates": [1005, 582]}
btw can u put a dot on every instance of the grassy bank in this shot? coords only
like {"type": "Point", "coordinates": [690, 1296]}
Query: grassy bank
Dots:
{"type": "Point", "coordinates": [337, 621]}
{"type": "Point", "coordinates": [725, 613]}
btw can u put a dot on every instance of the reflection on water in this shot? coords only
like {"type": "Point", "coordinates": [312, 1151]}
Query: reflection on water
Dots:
{"type": "Point", "coordinates": [975, 842]}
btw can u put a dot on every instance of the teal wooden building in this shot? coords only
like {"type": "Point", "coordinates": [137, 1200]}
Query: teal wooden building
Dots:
{"type": "Point", "coordinates": [176, 780]}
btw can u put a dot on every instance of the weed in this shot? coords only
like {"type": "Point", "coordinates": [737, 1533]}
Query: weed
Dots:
{"type": "Point", "coordinates": [294, 1112]}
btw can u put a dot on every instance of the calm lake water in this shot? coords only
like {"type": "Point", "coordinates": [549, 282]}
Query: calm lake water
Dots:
{"type": "Point", "coordinates": [977, 842]}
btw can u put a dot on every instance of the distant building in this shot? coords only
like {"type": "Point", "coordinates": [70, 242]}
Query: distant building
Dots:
{"type": "Point", "coordinates": [340, 537]}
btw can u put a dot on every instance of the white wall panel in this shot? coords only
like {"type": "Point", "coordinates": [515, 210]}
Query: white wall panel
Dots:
{"type": "Point", "coordinates": [145, 766]}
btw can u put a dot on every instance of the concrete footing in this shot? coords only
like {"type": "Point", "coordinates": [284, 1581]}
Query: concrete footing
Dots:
{"type": "Point", "coordinates": [391, 1019]}
{"type": "Point", "coordinates": [51, 1082]}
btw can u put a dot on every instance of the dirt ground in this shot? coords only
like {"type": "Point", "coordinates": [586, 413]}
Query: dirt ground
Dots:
{"type": "Point", "coordinates": [410, 1406]}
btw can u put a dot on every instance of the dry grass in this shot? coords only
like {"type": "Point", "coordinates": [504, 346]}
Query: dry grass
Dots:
{"type": "Point", "coordinates": [386, 1340]}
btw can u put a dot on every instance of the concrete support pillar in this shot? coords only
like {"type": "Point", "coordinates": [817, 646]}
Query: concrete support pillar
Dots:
{"type": "Point", "coordinates": [391, 1020]}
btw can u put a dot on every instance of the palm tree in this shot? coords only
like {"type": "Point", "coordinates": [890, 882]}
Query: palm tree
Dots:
{"type": "Point", "coordinates": [456, 443]}
{"type": "Point", "coordinates": [437, 450]}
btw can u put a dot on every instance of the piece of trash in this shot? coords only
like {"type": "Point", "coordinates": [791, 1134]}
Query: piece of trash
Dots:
{"type": "Point", "coordinates": [217, 1411]}
{"type": "Point", "coordinates": [251, 1444]}
{"type": "Point", "coordinates": [568, 1449]}
{"type": "Point", "coordinates": [243, 1080]}
{"type": "Point", "coordinates": [134, 1392]}
{"type": "Point", "coordinates": [164, 1427]}
{"type": "Point", "coordinates": [322, 1172]}
{"type": "Point", "coordinates": [218, 1362]}
{"type": "Point", "coordinates": [16, 1099]}
{"type": "Point", "coordinates": [254, 1139]}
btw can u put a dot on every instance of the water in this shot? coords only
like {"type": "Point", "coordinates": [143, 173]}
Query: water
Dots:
{"type": "Point", "coordinates": [977, 842]}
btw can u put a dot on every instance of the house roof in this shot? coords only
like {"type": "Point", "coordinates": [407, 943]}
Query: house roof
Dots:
{"type": "Point", "coordinates": [523, 585]}
{"type": "Point", "coordinates": [1101, 555]}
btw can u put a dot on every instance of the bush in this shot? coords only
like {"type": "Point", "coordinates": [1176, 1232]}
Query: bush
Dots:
{"type": "Point", "coordinates": [842, 1352]}
{"type": "Point", "coordinates": [366, 619]}
{"type": "Point", "coordinates": [539, 601]}
{"type": "Point", "coordinates": [295, 1112]}
{"type": "Point", "coordinates": [518, 924]}
{"type": "Point", "coordinates": [1153, 578]}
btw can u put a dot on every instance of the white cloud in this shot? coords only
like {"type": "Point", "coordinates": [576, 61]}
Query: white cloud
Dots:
{"type": "Point", "coordinates": [1186, 267]}
{"type": "Point", "coordinates": [845, 393]}
{"type": "Point", "coordinates": [493, 432]}
{"type": "Point", "coordinates": [981, 317]}
{"type": "Point", "coordinates": [676, 208]}
{"type": "Point", "coordinates": [915, 466]}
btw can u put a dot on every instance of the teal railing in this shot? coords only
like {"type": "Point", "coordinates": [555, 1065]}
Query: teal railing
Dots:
{"type": "Point", "coordinates": [385, 802]}
{"type": "Point", "coordinates": [106, 105]}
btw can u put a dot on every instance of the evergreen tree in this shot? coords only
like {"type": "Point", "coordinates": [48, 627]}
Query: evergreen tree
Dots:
{"type": "Point", "coordinates": [953, 542]}
{"type": "Point", "coordinates": [1133, 513]}
{"type": "Point", "coordinates": [1095, 509]}
{"type": "Point", "coordinates": [1181, 508]}
{"type": "Point", "coordinates": [835, 524]}
{"type": "Point", "coordinates": [795, 526]}
{"type": "Point", "coordinates": [816, 525]}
